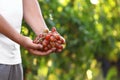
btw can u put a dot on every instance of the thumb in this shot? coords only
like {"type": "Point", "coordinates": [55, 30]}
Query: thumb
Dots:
{"type": "Point", "coordinates": [36, 46]}
{"type": "Point", "coordinates": [28, 44]}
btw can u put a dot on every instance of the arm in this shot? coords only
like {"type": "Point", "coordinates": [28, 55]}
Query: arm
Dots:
{"type": "Point", "coordinates": [7, 30]}
{"type": "Point", "coordinates": [33, 16]}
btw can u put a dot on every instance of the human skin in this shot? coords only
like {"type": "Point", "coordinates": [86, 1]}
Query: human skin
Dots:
{"type": "Point", "coordinates": [33, 16]}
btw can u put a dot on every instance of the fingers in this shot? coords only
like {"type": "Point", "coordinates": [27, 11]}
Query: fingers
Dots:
{"type": "Point", "coordinates": [28, 44]}
{"type": "Point", "coordinates": [36, 46]}
{"type": "Point", "coordinates": [40, 53]}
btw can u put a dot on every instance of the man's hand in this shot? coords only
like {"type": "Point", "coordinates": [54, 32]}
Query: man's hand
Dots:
{"type": "Point", "coordinates": [50, 39]}
{"type": "Point", "coordinates": [34, 48]}
{"type": "Point", "coordinates": [33, 16]}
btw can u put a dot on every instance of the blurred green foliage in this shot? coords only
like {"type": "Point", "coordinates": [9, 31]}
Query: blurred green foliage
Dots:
{"type": "Point", "coordinates": [92, 33]}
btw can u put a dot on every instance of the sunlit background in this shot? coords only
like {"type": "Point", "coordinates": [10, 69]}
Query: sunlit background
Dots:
{"type": "Point", "coordinates": [92, 32]}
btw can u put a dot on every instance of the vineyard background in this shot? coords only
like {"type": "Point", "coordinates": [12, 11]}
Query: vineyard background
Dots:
{"type": "Point", "coordinates": [92, 32]}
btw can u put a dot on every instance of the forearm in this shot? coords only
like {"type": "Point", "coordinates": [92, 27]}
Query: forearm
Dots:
{"type": "Point", "coordinates": [7, 30]}
{"type": "Point", "coordinates": [33, 16]}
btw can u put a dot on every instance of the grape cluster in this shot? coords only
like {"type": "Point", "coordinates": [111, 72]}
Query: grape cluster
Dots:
{"type": "Point", "coordinates": [50, 39]}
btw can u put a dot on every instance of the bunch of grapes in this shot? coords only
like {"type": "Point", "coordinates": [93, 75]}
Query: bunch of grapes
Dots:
{"type": "Point", "coordinates": [50, 39]}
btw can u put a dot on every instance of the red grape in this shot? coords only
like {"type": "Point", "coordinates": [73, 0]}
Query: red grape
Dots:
{"type": "Point", "coordinates": [57, 37]}
{"type": "Point", "coordinates": [45, 43]}
{"type": "Point", "coordinates": [46, 48]}
{"type": "Point", "coordinates": [47, 37]}
{"type": "Point", "coordinates": [53, 29]}
{"type": "Point", "coordinates": [59, 41]}
{"type": "Point", "coordinates": [58, 50]}
{"type": "Point", "coordinates": [49, 46]}
{"type": "Point", "coordinates": [50, 39]}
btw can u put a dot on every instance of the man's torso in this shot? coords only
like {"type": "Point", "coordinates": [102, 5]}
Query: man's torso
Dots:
{"type": "Point", "coordinates": [12, 11]}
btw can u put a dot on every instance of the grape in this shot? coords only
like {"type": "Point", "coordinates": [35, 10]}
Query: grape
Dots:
{"type": "Point", "coordinates": [50, 39]}
{"type": "Point", "coordinates": [45, 43]}
{"type": "Point", "coordinates": [53, 29]}
{"type": "Point", "coordinates": [47, 37]}
{"type": "Point", "coordinates": [58, 50]}
{"type": "Point", "coordinates": [52, 44]}
{"type": "Point", "coordinates": [46, 48]}
{"type": "Point", "coordinates": [59, 41]}
{"type": "Point", "coordinates": [57, 37]}
{"type": "Point", "coordinates": [49, 46]}
{"type": "Point", "coordinates": [60, 47]}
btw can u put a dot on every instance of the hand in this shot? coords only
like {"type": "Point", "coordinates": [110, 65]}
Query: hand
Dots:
{"type": "Point", "coordinates": [40, 53]}
{"type": "Point", "coordinates": [50, 39]}
{"type": "Point", "coordinates": [34, 48]}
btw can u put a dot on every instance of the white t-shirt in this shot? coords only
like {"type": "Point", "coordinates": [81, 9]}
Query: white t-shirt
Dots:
{"type": "Point", "coordinates": [12, 11]}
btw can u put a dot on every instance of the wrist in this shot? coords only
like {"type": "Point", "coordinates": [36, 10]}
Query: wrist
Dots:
{"type": "Point", "coordinates": [21, 40]}
{"type": "Point", "coordinates": [45, 30]}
